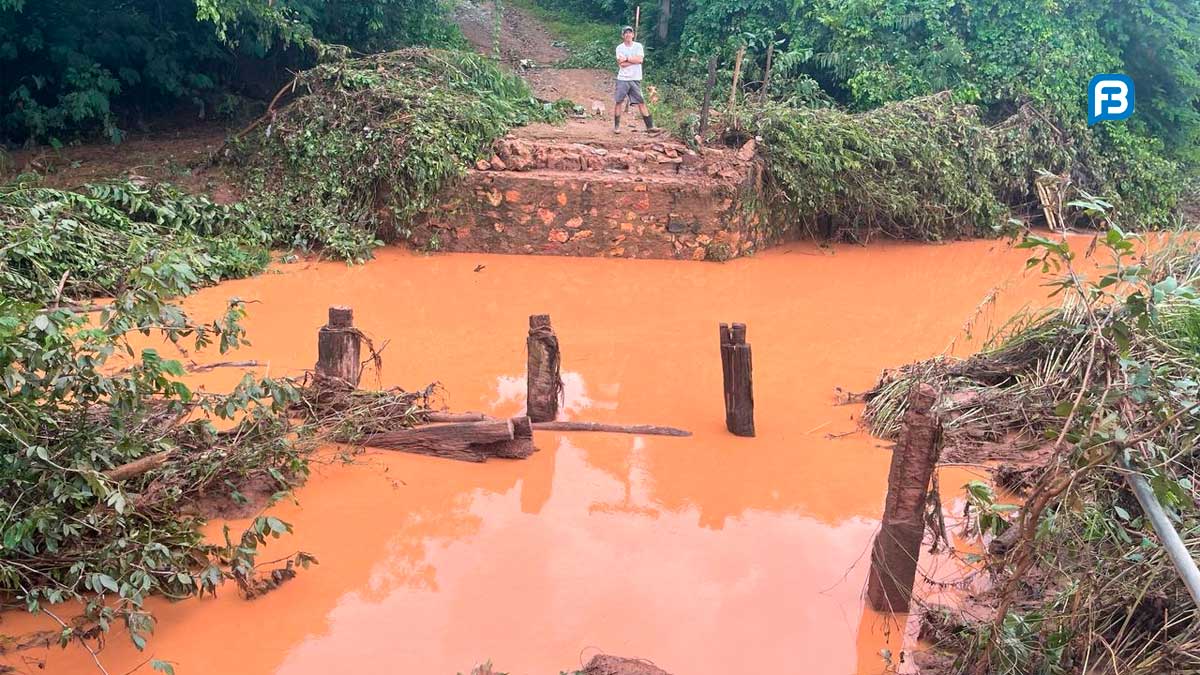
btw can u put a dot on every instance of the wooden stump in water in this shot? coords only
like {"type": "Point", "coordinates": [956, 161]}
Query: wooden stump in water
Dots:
{"type": "Point", "coordinates": [898, 545]}
{"type": "Point", "coordinates": [739, 388]}
{"type": "Point", "coordinates": [339, 347]}
{"type": "Point", "coordinates": [519, 447]}
{"type": "Point", "coordinates": [544, 385]}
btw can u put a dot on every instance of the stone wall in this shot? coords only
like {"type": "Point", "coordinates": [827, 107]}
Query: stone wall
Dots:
{"type": "Point", "coordinates": [655, 200]}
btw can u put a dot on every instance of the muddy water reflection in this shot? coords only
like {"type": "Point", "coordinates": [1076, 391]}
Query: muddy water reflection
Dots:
{"type": "Point", "coordinates": [708, 555]}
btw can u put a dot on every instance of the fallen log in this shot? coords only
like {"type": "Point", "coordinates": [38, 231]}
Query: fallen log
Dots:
{"type": "Point", "coordinates": [644, 429]}
{"type": "Point", "coordinates": [456, 417]}
{"type": "Point", "coordinates": [521, 445]}
{"type": "Point", "coordinates": [647, 429]}
{"type": "Point", "coordinates": [467, 441]}
{"type": "Point", "coordinates": [138, 466]}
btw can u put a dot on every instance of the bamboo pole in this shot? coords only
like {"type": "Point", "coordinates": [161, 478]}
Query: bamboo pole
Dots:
{"type": "Point", "coordinates": [737, 72]}
{"type": "Point", "coordinates": [763, 94]}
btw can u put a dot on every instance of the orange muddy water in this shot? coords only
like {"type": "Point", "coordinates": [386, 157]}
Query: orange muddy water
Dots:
{"type": "Point", "coordinates": [707, 555]}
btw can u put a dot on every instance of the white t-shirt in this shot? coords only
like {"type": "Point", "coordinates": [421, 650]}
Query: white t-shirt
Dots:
{"type": "Point", "coordinates": [632, 71]}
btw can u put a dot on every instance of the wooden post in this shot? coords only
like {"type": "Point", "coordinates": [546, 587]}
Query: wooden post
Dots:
{"type": "Point", "coordinates": [543, 384]}
{"type": "Point", "coordinates": [737, 71]}
{"type": "Point", "coordinates": [708, 87]}
{"type": "Point", "coordinates": [763, 95]}
{"type": "Point", "coordinates": [739, 389]}
{"type": "Point", "coordinates": [339, 346]}
{"type": "Point", "coordinates": [898, 544]}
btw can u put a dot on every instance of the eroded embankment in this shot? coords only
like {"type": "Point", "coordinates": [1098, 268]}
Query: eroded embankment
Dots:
{"type": "Point", "coordinates": [707, 555]}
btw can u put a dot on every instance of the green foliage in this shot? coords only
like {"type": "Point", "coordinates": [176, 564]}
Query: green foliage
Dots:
{"type": "Point", "coordinates": [60, 243]}
{"type": "Point", "coordinates": [1107, 381]}
{"type": "Point", "coordinates": [1001, 55]}
{"type": "Point", "coordinates": [921, 169]}
{"type": "Point", "coordinates": [79, 397]}
{"type": "Point", "coordinates": [75, 68]}
{"type": "Point", "coordinates": [989, 514]}
{"type": "Point", "coordinates": [369, 143]}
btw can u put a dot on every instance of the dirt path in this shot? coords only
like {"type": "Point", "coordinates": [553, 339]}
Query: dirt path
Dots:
{"type": "Point", "coordinates": [524, 37]}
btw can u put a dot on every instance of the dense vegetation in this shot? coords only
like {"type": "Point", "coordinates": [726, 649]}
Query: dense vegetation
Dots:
{"type": "Point", "coordinates": [62, 244]}
{"type": "Point", "coordinates": [921, 169]}
{"type": "Point", "coordinates": [1000, 55]}
{"type": "Point", "coordinates": [1101, 391]}
{"type": "Point", "coordinates": [75, 68]}
{"type": "Point", "coordinates": [369, 142]}
{"type": "Point", "coordinates": [84, 399]}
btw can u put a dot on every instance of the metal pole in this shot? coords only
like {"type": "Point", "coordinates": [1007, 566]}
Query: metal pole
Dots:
{"type": "Point", "coordinates": [1171, 541]}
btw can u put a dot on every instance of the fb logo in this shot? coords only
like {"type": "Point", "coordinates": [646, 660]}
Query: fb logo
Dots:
{"type": "Point", "coordinates": [1110, 97]}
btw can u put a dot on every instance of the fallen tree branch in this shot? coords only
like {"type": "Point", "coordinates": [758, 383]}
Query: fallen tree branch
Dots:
{"type": "Point", "coordinates": [644, 429]}
{"type": "Point", "coordinates": [138, 466]}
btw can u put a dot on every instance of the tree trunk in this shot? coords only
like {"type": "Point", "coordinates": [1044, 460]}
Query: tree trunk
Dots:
{"type": "Point", "coordinates": [664, 20]}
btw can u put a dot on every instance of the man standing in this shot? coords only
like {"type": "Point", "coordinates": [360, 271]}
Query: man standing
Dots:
{"type": "Point", "coordinates": [629, 80]}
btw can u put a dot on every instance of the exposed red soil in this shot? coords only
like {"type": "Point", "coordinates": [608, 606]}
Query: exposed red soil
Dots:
{"type": "Point", "coordinates": [522, 37]}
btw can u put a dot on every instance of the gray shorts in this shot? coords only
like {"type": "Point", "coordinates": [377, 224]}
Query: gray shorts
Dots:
{"type": "Point", "coordinates": [631, 89]}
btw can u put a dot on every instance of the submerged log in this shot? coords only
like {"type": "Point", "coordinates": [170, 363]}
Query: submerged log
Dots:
{"type": "Point", "coordinates": [644, 429]}
{"type": "Point", "coordinates": [339, 347]}
{"type": "Point", "coordinates": [465, 441]}
{"type": "Point", "coordinates": [736, 369]}
{"type": "Point", "coordinates": [898, 545]}
{"type": "Point", "coordinates": [544, 384]}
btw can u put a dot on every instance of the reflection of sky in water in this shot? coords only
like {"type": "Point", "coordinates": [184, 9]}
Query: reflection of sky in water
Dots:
{"type": "Point", "coordinates": [511, 391]}
{"type": "Point", "coordinates": [584, 561]}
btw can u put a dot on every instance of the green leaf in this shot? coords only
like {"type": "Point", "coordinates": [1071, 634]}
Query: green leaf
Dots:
{"type": "Point", "coordinates": [107, 582]}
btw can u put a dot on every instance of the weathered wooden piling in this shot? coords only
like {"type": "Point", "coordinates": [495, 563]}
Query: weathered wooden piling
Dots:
{"type": "Point", "coordinates": [898, 544]}
{"type": "Point", "coordinates": [544, 383]}
{"type": "Point", "coordinates": [339, 347]}
{"type": "Point", "coordinates": [739, 388]}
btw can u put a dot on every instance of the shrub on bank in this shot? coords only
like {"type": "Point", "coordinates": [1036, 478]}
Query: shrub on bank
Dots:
{"type": "Point", "coordinates": [368, 143]}
{"type": "Point", "coordinates": [1080, 397]}
{"type": "Point", "coordinates": [929, 169]}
